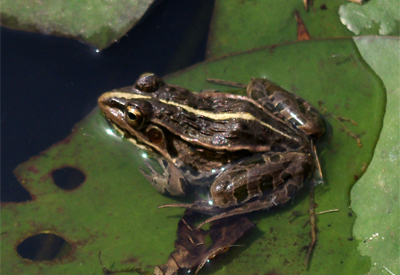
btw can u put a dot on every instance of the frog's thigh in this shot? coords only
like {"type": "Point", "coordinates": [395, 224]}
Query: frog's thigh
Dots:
{"type": "Point", "coordinates": [260, 174]}
{"type": "Point", "coordinates": [299, 167]}
{"type": "Point", "coordinates": [170, 182]}
{"type": "Point", "coordinates": [266, 201]}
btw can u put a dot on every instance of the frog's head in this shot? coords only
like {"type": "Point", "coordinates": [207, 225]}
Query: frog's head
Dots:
{"type": "Point", "coordinates": [131, 110]}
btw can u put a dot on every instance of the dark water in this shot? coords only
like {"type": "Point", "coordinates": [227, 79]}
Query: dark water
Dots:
{"type": "Point", "coordinates": [50, 83]}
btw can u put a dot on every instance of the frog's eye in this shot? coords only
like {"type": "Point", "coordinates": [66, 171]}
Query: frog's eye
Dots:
{"type": "Point", "coordinates": [148, 82]}
{"type": "Point", "coordinates": [134, 116]}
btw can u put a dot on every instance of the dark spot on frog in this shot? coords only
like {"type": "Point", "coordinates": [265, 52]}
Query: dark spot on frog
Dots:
{"type": "Point", "coordinates": [266, 182]}
{"type": "Point", "coordinates": [323, 7]}
{"type": "Point", "coordinates": [257, 94]}
{"type": "Point", "coordinates": [350, 214]}
{"type": "Point", "coordinates": [275, 158]}
{"type": "Point", "coordinates": [279, 148]}
{"type": "Point", "coordinates": [307, 168]}
{"type": "Point", "coordinates": [285, 176]}
{"type": "Point", "coordinates": [241, 193]}
{"type": "Point", "coordinates": [281, 106]}
{"type": "Point", "coordinates": [350, 238]}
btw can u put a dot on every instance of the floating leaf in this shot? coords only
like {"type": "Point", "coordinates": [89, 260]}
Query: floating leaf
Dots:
{"type": "Point", "coordinates": [375, 197]}
{"type": "Point", "coordinates": [115, 210]}
{"type": "Point", "coordinates": [242, 25]}
{"type": "Point", "coordinates": [373, 17]}
{"type": "Point", "coordinates": [99, 23]}
{"type": "Point", "coordinates": [332, 72]}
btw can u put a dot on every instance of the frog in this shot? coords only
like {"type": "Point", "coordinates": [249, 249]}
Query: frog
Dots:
{"type": "Point", "coordinates": [251, 152]}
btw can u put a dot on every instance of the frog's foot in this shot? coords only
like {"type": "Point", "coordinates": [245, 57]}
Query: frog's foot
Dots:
{"type": "Point", "coordinates": [170, 182]}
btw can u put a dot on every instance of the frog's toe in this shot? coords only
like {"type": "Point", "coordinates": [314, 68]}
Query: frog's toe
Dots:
{"type": "Point", "coordinates": [171, 182]}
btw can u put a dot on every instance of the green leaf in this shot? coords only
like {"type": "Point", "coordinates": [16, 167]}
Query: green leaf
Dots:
{"type": "Point", "coordinates": [375, 197]}
{"type": "Point", "coordinates": [99, 23]}
{"type": "Point", "coordinates": [328, 71]}
{"type": "Point", "coordinates": [242, 25]}
{"type": "Point", "coordinates": [374, 17]}
{"type": "Point", "coordinates": [115, 209]}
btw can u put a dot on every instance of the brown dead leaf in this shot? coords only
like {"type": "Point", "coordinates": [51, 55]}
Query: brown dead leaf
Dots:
{"type": "Point", "coordinates": [190, 247]}
{"type": "Point", "coordinates": [302, 33]}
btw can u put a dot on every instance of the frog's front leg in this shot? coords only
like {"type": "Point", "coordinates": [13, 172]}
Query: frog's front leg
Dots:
{"type": "Point", "coordinates": [255, 183]}
{"type": "Point", "coordinates": [170, 182]}
{"type": "Point", "coordinates": [287, 106]}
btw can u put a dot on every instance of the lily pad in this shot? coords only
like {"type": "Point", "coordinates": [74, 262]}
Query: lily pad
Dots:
{"type": "Point", "coordinates": [242, 25]}
{"type": "Point", "coordinates": [374, 17]}
{"type": "Point", "coordinates": [375, 197]}
{"type": "Point", "coordinates": [115, 209]}
{"type": "Point", "coordinates": [97, 23]}
{"type": "Point", "coordinates": [330, 71]}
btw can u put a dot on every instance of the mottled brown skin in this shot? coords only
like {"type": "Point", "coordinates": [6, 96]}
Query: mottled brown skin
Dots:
{"type": "Point", "coordinates": [287, 106]}
{"type": "Point", "coordinates": [247, 149]}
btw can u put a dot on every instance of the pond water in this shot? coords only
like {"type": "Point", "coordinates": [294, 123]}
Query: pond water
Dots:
{"type": "Point", "coordinates": [50, 83]}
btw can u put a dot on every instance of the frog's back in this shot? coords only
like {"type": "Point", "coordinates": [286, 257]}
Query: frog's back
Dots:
{"type": "Point", "coordinates": [224, 122]}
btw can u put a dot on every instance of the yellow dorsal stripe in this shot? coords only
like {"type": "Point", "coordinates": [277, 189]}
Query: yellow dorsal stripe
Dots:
{"type": "Point", "coordinates": [223, 116]}
{"type": "Point", "coordinates": [211, 115]}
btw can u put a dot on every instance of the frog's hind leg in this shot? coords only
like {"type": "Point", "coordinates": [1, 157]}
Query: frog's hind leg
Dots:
{"type": "Point", "coordinates": [266, 201]}
{"type": "Point", "coordinates": [277, 197]}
